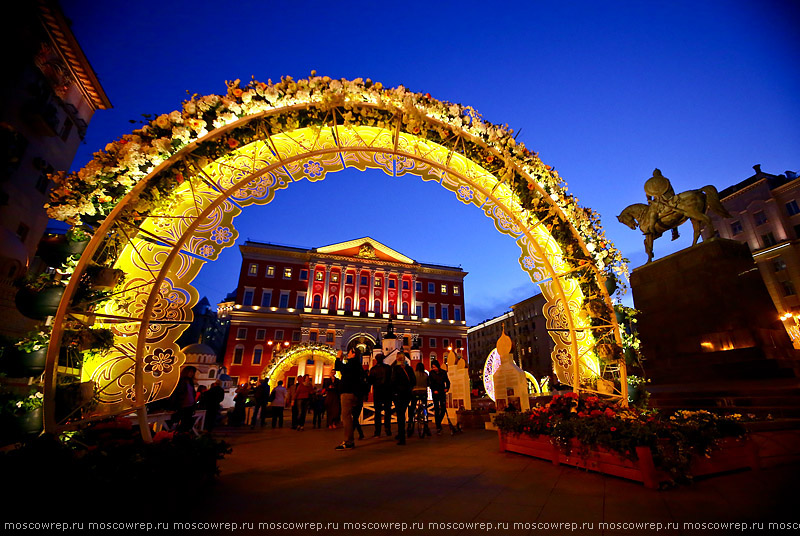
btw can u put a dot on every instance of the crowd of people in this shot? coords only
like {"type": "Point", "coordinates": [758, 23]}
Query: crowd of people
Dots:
{"type": "Point", "coordinates": [396, 389]}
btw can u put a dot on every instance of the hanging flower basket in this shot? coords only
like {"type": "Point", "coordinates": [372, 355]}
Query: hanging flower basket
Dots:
{"type": "Point", "coordinates": [21, 425]}
{"type": "Point", "coordinates": [20, 364]}
{"type": "Point", "coordinates": [105, 278]}
{"type": "Point", "coordinates": [54, 250]}
{"type": "Point", "coordinates": [39, 304]}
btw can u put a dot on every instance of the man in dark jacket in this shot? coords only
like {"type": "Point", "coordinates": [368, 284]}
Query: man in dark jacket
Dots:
{"type": "Point", "coordinates": [262, 399]}
{"type": "Point", "coordinates": [440, 384]}
{"type": "Point", "coordinates": [380, 379]}
{"type": "Point", "coordinates": [210, 401]}
{"type": "Point", "coordinates": [350, 388]}
{"type": "Point", "coordinates": [403, 381]}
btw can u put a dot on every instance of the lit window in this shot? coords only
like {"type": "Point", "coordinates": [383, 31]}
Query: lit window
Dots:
{"type": "Point", "coordinates": [253, 269]}
{"type": "Point", "coordinates": [335, 278]}
{"type": "Point", "coordinates": [379, 282]}
{"type": "Point", "coordinates": [319, 276]}
{"type": "Point", "coordinates": [444, 289]}
{"type": "Point", "coordinates": [270, 271]}
{"type": "Point", "coordinates": [456, 290]}
{"type": "Point", "coordinates": [792, 208]}
{"type": "Point", "coordinates": [287, 273]}
{"type": "Point", "coordinates": [241, 333]}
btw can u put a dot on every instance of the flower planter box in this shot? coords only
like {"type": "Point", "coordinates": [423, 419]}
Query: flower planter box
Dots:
{"type": "Point", "coordinates": [20, 426]}
{"type": "Point", "coordinates": [39, 305]}
{"type": "Point", "coordinates": [19, 364]}
{"type": "Point", "coordinates": [732, 455]}
{"type": "Point", "coordinates": [55, 250]}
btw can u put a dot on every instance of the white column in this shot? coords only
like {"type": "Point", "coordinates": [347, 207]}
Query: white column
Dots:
{"type": "Point", "coordinates": [413, 304]}
{"type": "Point", "coordinates": [371, 298]}
{"type": "Point", "coordinates": [312, 267]}
{"type": "Point", "coordinates": [324, 303]}
{"type": "Point", "coordinates": [342, 279]}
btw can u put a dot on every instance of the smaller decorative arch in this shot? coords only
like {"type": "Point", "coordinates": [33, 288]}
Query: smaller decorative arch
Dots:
{"type": "Point", "coordinates": [286, 359]}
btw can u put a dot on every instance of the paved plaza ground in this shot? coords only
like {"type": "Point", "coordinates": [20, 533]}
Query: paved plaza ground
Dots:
{"type": "Point", "coordinates": [285, 475]}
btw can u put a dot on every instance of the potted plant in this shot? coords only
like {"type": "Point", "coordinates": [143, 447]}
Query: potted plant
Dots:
{"type": "Point", "coordinates": [55, 249]}
{"type": "Point", "coordinates": [102, 278]}
{"type": "Point", "coordinates": [28, 355]}
{"type": "Point", "coordinates": [636, 386]}
{"type": "Point", "coordinates": [20, 416]}
{"type": "Point", "coordinates": [40, 295]}
{"type": "Point", "coordinates": [84, 339]}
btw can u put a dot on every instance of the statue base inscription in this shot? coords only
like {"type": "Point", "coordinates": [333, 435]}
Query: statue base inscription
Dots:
{"type": "Point", "coordinates": [706, 314]}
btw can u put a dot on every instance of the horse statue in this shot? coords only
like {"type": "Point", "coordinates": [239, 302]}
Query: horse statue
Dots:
{"type": "Point", "coordinates": [666, 211]}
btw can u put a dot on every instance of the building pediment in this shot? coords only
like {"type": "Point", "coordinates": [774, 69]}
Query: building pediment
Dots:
{"type": "Point", "coordinates": [365, 248]}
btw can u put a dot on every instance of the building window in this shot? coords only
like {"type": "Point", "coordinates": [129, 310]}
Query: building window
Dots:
{"type": "Point", "coordinates": [376, 306]}
{"type": "Point", "coordinates": [287, 273]}
{"type": "Point", "coordinates": [788, 288]}
{"type": "Point", "coordinates": [212, 373]}
{"type": "Point", "coordinates": [241, 333]}
{"type": "Point", "coordinates": [792, 208]}
{"type": "Point", "coordinates": [364, 280]}
{"type": "Point", "coordinates": [456, 290]}
{"type": "Point", "coordinates": [768, 239]}
{"type": "Point", "coordinates": [348, 304]}
{"type": "Point", "coordinates": [392, 310]}
{"type": "Point", "coordinates": [238, 355]}
{"type": "Point", "coordinates": [252, 269]}
{"type": "Point", "coordinates": [418, 286]}
{"type": "Point", "coordinates": [284, 301]}
{"type": "Point", "coordinates": [405, 341]}
{"type": "Point", "coordinates": [261, 334]}
{"type": "Point", "coordinates": [405, 284]}
{"type": "Point", "coordinates": [332, 303]}
{"type": "Point", "coordinates": [349, 279]}
{"type": "Point", "coordinates": [248, 296]}
{"type": "Point", "coordinates": [301, 302]}
{"type": "Point", "coordinates": [296, 336]}
{"type": "Point", "coordinates": [42, 183]}
{"type": "Point", "coordinates": [22, 231]}
{"type": "Point", "coordinates": [444, 289]}
{"type": "Point", "coordinates": [317, 302]}
{"type": "Point", "coordinates": [303, 275]}
{"type": "Point", "coordinates": [362, 305]}
{"type": "Point", "coordinates": [319, 276]}
{"type": "Point", "coordinates": [736, 228]}
{"type": "Point", "coordinates": [446, 343]}
{"type": "Point", "coordinates": [431, 311]}
{"type": "Point", "coordinates": [458, 343]}
{"type": "Point", "coordinates": [431, 288]}
{"type": "Point", "coordinates": [270, 271]}
{"type": "Point", "coordinates": [253, 379]}
{"type": "Point", "coordinates": [760, 218]}
{"type": "Point", "coordinates": [405, 309]}
{"type": "Point", "coordinates": [278, 334]}
{"type": "Point", "coordinates": [419, 311]}
{"type": "Point", "coordinates": [257, 352]}
{"type": "Point", "coordinates": [432, 342]}
{"type": "Point", "coordinates": [378, 282]}
{"type": "Point", "coordinates": [391, 283]}
{"type": "Point", "coordinates": [445, 312]}
{"type": "Point", "coordinates": [334, 278]}
{"type": "Point", "coordinates": [457, 314]}
{"type": "Point", "coordinates": [330, 336]}
{"type": "Point", "coordinates": [312, 337]}
{"type": "Point", "coordinates": [779, 264]}
{"type": "Point", "coordinates": [266, 298]}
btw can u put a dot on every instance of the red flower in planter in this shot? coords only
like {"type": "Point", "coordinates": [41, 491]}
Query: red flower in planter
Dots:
{"type": "Point", "coordinates": [613, 428]}
{"type": "Point", "coordinates": [609, 412]}
{"type": "Point", "coordinates": [596, 413]}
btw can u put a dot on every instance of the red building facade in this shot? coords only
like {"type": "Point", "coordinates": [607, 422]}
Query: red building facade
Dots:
{"type": "Point", "coordinates": [341, 296]}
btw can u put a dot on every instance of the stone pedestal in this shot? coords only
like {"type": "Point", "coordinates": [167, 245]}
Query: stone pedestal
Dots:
{"type": "Point", "coordinates": [706, 315]}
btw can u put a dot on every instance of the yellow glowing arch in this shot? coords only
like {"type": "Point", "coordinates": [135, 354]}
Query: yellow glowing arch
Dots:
{"type": "Point", "coordinates": [293, 355]}
{"type": "Point", "coordinates": [164, 199]}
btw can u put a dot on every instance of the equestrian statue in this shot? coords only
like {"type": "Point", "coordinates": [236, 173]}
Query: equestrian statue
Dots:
{"type": "Point", "coordinates": [666, 211]}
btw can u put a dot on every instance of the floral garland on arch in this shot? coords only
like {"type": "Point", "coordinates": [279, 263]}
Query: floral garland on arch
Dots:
{"type": "Point", "coordinates": [92, 192]}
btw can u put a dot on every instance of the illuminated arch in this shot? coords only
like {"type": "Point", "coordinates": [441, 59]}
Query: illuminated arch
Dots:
{"type": "Point", "coordinates": [285, 360]}
{"type": "Point", "coordinates": [162, 202]}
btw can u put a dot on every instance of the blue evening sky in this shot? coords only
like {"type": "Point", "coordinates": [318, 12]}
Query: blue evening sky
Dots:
{"type": "Point", "coordinates": [604, 91]}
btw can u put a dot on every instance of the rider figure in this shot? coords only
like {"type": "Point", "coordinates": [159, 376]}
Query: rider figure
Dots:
{"type": "Point", "coordinates": [661, 198]}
